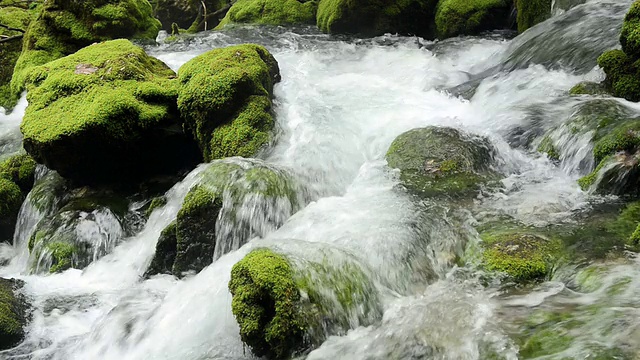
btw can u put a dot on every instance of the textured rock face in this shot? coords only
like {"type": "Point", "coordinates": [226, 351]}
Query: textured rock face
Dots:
{"type": "Point", "coordinates": [13, 313]}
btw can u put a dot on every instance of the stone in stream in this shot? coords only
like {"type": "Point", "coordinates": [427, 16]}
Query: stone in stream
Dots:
{"type": "Point", "coordinates": [234, 201]}
{"type": "Point", "coordinates": [224, 98]}
{"type": "Point", "coordinates": [272, 12]}
{"type": "Point", "coordinates": [16, 180]}
{"type": "Point", "coordinates": [531, 12]}
{"type": "Point", "coordinates": [13, 313]}
{"type": "Point", "coordinates": [285, 305]}
{"type": "Point", "coordinates": [469, 17]}
{"type": "Point", "coordinates": [106, 114]}
{"type": "Point", "coordinates": [435, 161]}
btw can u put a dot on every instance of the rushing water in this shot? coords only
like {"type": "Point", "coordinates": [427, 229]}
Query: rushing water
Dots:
{"type": "Point", "coordinates": [338, 108]}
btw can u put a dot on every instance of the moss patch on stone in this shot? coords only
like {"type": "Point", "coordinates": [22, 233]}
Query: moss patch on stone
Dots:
{"type": "Point", "coordinates": [10, 202]}
{"type": "Point", "coordinates": [469, 17]}
{"type": "Point", "coordinates": [13, 317]}
{"type": "Point", "coordinates": [271, 12]}
{"type": "Point", "coordinates": [622, 74]}
{"type": "Point", "coordinates": [531, 12]}
{"type": "Point", "coordinates": [588, 88]}
{"type": "Point", "coordinates": [225, 99]}
{"type": "Point", "coordinates": [630, 34]}
{"type": "Point", "coordinates": [20, 169]}
{"type": "Point", "coordinates": [546, 146]}
{"type": "Point", "coordinates": [61, 256]}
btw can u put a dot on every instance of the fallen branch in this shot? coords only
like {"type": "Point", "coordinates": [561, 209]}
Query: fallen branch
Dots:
{"type": "Point", "coordinates": [11, 29]}
{"type": "Point", "coordinates": [5, 38]}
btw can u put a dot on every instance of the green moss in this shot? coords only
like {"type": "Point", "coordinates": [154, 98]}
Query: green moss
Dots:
{"type": "Point", "coordinates": [630, 35]}
{"type": "Point", "coordinates": [588, 88]}
{"type": "Point", "coordinates": [625, 137]}
{"type": "Point", "coordinates": [627, 224]}
{"type": "Point", "coordinates": [225, 99]}
{"type": "Point", "coordinates": [166, 249]}
{"type": "Point", "coordinates": [12, 314]}
{"type": "Point", "coordinates": [587, 181]}
{"type": "Point", "coordinates": [104, 113]}
{"type": "Point", "coordinates": [522, 256]}
{"type": "Point", "coordinates": [20, 169]}
{"type": "Point", "coordinates": [469, 17]}
{"type": "Point", "coordinates": [62, 255]}
{"type": "Point", "coordinates": [271, 12]}
{"type": "Point", "coordinates": [372, 18]}
{"type": "Point", "coordinates": [10, 202]}
{"type": "Point", "coordinates": [441, 161]}
{"type": "Point", "coordinates": [531, 12]}
{"type": "Point", "coordinates": [17, 18]}
{"type": "Point", "coordinates": [156, 203]}
{"type": "Point", "coordinates": [622, 74]}
{"type": "Point", "coordinates": [547, 147]}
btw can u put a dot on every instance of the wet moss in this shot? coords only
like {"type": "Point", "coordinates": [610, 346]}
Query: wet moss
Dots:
{"type": "Point", "coordinates": [12, 314]}
{"type": "Point", "coordinates": [166, 250]}
{"type": "Point", "coordinates": [10, 202]}
{"type": "Point", "coordinates": [622, 74]}
{"type": "Point", "coordinates": [156, 203]}
{"type": "Point", "coordinates": [588, 88]}
{"type": "Point", "coordinates": [465, 17]}
{"type": "Point", "coordinates": [225, 99]}
{"type": "Point", "coordinates": [547, 147]}
{"type": "Point", "coordinates": [630, 34]}
{"type": "Point", "coordinates": [627, 224]}
{"type": "Point", "coordinates": [20, 169]}
{"type": "Point", "coordinates": [625, 137]}
{"type": "Point", "coordinates": [61, 256]}
{"type": "Point", "coordinates": [271, 12]}
{"type": "Point", "coordinates": [531, 12]}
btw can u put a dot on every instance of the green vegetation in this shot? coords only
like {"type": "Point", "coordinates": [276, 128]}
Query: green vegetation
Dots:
{"type": "Point", "coordinates": [20, 169]}
{"type": "Point", "coordinates": [469, 17]}
{"type": "Point", "coordinates": [531, 12]}
{"type": "Point", "coordinates": [12, 314]}
{"type": "Point", "coordinates": [271, 12]}
{"type": "Point", "coordinates": [622, 71]}
{"type": "Point", "coordinates": [61, 256]}
{"type": "Point", "coordinates": [10, 201]}
{"type": "Point", "coordinates": [588, 88]}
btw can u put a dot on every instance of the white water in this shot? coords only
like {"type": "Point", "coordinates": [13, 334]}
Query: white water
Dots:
{"type": "Point", "coordinates": [339, 107]}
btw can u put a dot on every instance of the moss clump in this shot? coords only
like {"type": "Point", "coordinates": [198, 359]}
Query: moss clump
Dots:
{"type": "Point", "coordinates": [630, 34]}
{"type": "Point", "coordinates": [13, 316]}
{"type": "Point", "coordinates": [10, 202]}
{"type": "Point", "coordinates": [166, 249]}
{"type": "Point", "coordinates": [441, 161]}
{"type": "Point", "coordinates": [20, 169]}
{"type": "Point", "coordinates": [156, 203]}
{"type": "Point", "coordinates": [63, 27]}
{"type": "Point", "coordinates": [625, 137]}
{"type": "Point", "coordinates": [465, 17]}
{"type": "Point", "coordinates": [522, 256]}
{"type": "Point", "coordinates": [105, 114]}
{"type": "Point", "coordinates": [622, 74]}
{"type": "Point", "coordinates": [62, 255]}
{"type": "Point", "coordinates": [588, 88]}
{"type": "Point", "coordinates": [271, 12]}
{"type": "Point", "coordinates": [547, 147]}
{"type": "Point", "coordinates": [225, 99]}
{"type": "Point", "coordinates": [372, 18]}
{"type": "Point", "coordinates": [627, 224]}
{"type": "Point", "coordinates": [531, 12]}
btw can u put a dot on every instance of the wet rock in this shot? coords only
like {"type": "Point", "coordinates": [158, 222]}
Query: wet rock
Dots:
{"type": "Point", "coordinates": [225, 100]}
{"type": "Point", "coordinates": [10, 201]}
{"type": "Point", "coordinates": [117, 124]}
{"type": "Point", "coordinates": [589, 88]}
{"type": "Point", "coordinates": [436, 161]}
{"type": "Point", "coordinates": [20, 169]}
{"type": "Point", "coordinates": [272, 12]}
{"type": "Point", "coordinates": [464, 17]}
{"type": "Point", "coordinates": [13, 313]}
{"type": "Point", "coordinates": [531, 12]}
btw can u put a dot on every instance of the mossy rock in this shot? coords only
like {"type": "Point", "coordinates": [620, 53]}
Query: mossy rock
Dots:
{"type": "Point", "coordinates": [284, 306]}
{"type": "Point", "coordinates": [589, 88]}
{"type": "Point", "coordinates": [470, 17]}
{"type": "Point", "coordinates": [10, 202]}
{"type": "Point", "coordinates": [627, 225]}
{"type": "Point", "coordinates": [13, 313]}
{"type": "Point", "coordinates": [548, 147]}
{"type": "Point", "coordinates": [63, 27]}
{"type": "Point", "coordinates": [623, 74]}
{"type": "Point", "coordinates": [524, 256]}
{"type": "Point", "coordinates": [435, 161]}
{"type": "Point", "coordinates": [20, 169]}
{"type": "Point", "coordinates": [106, 114]}
{"type": "Point", "coordinates": [372, 18]}
{"type": "Point", "coordinates": [155, 203]}
{"type": "Point", "coordinates": [272, 12]}
{"type": "Point", "coordinates": [630, 34]}
{"type": "Point", "coordinates": [225, 100]}
{"type": "Point", "coordinates": [14, 17]}
{"type": "Point", "coordinates": [531, 12]}
{"type": "Point", "coordinates": [189, 244]}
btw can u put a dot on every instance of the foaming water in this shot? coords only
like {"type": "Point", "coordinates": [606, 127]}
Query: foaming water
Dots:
{"type": "Point", "coordinates": [10, 136]}
{"type": "Point", "coordinates": [338, 108]}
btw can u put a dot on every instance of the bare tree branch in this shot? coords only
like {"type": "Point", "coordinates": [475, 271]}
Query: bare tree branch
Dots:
{"type": "Point", "coordinates": [11, 29]}
{"type": "Point", "coordinates": [4, 39]}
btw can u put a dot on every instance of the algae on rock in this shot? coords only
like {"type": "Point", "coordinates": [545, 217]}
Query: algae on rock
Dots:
{"type": "Point", "coordinates": [13, 313]}
{"type": "Point", "coordinates": [106, 114]}
{"type": "Point", "coordinates": [272, 12]}
{"type": "Point", "coordinates": [469, 17]}
{"type": "Point", "coordinates": [531, 12]}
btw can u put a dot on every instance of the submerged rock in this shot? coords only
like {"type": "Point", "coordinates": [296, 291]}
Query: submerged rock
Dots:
{"type": "Point", "coordinates": [106, 114]}
{"type": "Point", "coordinates": [531, 12]}
{"type": "Point", "coordinates": [272, 12]}
{"type": "Point", "coordinates": [372, 18]}
{"type": "Point", "coordinates": [63, 27]}
{"type": "Point", "coordinates": [285, 305]}
{"type": "Point", "coordinates": [13, 313]}
{"type": "Point", "coordinates": [225, 100]}
{"type": "Point", "coordinates": [436, 161]}
{"type": "Point", "coordinates": [469, 17]}
{"type": "Point", "coordinates": [234, 201]}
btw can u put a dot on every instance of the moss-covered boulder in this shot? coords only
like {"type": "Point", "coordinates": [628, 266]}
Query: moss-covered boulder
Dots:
{"type": "Point", "coordinates": [13, 313]}
{"type": "Point", "coordinates": [630, 34]}
{"type": "Point", "coordinates": [435, 161]}
{"type": "Point", "coordinates": [234, 201]}
{"type": "Point", "coordinates": [523, 256]}
{"type": "Point", "coordinates": [623, 74]}
{"type": "Point", "coordinates": [106, 114]}
{"type": "Point", "coordinates": [225, 100]}
{"type": "Point", "coordinates": [10, 201]}
{"type": "Point", "coordinates": [16, 16]}
{"type": "Point", "coordinates": [372, 18]}
{"type": "Point", "coordinates": [272, 12]}
{"type": "Point", "coordinates": [627, 225]}
{"type": "Point", "coordinates": [20, 169]}
{"type": "Point", "coordinates": [190, 14]}
{"type": "Point", "coordinates": [63, 27]}
{"type": "Point", "coordinates": [589, 88]}
{"type": "Point", "coordinates": [531, 12]}
{"type": "Point", "coordinates": [465, 17]}
{"type": "Point", "coordinates": [285, 305]}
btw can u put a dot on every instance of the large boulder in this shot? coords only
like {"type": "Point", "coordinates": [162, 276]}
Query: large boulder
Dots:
{"type": "Point", "coordinates": [106, 114]}
{"type": "Point", "coordinates": [13, 313]}
{"type": "Point", "coordinates": [225, 100]}
{"type": "Point", "coordinates": [286, 304]}
{"type": "Point", "coordinates": [234, 201]}
{"type": "Point", "coordinates": [377, 17]}
{"type": "Point", "coordinates": [436, 161]}
{"type": "Point", "coordinates": [63, 27]}
{"type": "Point", "coordinates": [190, 14]}
{"type": "Point", "coordinates": [531, 12]}
{"type": "Point", "coordinates": [469, 17]}
{"type": "Point", "coordinates": [272, 12]}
